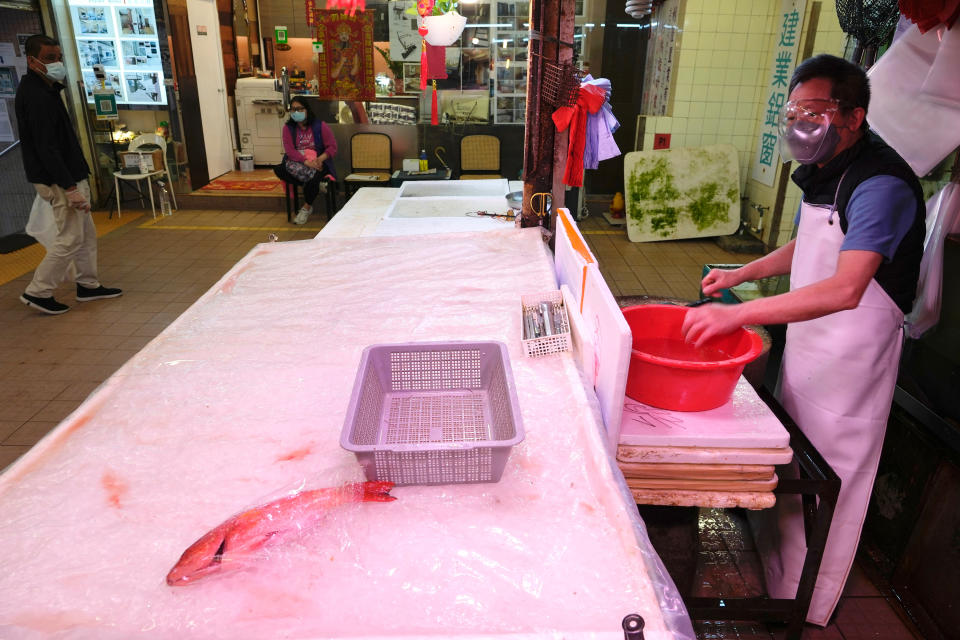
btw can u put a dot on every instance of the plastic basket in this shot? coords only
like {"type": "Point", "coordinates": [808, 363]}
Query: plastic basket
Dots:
{"type": "Point", "coordinates": [433, 412]}
{"type": "Point", "coordinates": [544, 345]}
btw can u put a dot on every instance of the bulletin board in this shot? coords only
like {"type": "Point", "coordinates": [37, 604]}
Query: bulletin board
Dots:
{"type": "Point", "coordinates": [122, 36]}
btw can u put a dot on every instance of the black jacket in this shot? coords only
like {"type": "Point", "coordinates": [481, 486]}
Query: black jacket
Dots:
{"type": "Point", "coordinates": [51, 150]}
{"type": "Point", "coordinates": [869, 157]}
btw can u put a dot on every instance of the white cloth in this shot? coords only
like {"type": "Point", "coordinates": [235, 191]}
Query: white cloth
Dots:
{"type": "Point", "coordinates": [837, 383]}
{"type": "Point", "coordinates": [73, 252]}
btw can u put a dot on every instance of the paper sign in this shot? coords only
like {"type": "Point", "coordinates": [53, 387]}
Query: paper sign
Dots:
{"type": "Point", "coordinates": [318, 47]}
{"type": "Point", "coordinates": [280, 34]}
{"type": "Point", "coordinates": [6, 129]}
{"type": "Point", "coordinates": [22, 40]}
{"type": "Point", "coordinates": [105, 101]}
{"type": "Point", "coordinates": [7, 54]}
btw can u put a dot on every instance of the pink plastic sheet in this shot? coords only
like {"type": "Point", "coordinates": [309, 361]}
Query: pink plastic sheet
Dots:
{"type": "Point", "coordinates": [242, 400]}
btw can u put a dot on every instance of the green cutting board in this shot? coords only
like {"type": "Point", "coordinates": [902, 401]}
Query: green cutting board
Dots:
{"type": "Point", "coordinates": [682, 193]}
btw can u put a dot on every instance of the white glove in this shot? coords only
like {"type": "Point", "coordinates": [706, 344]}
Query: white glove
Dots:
{"type": "Point", "coordinates": [78, 200]}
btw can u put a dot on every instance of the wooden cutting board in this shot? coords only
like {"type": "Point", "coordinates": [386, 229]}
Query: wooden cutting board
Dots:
{"type": "Point", "coordinates": [696, 471]}
{"type": "Point", "coordinates": [689, 192]}
{"type": "Point", "coordinates": [703, 455]}
{"type": "Point", "coordinates": [713, 499]}
{"type": "Point", "coordinates": [694, 484]}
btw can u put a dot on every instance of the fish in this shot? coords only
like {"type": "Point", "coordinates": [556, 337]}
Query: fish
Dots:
{"type": "Point", "coordinates": [229, 545]}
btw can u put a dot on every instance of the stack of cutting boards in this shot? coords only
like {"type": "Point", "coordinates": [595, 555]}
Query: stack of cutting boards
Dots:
{"type": "Point", "coordinates": [724, 457]}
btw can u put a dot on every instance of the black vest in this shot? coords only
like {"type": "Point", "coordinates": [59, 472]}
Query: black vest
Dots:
{"type": "Point", "coordinates": [870, 157]}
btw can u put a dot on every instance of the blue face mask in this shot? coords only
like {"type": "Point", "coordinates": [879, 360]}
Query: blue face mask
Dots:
{"type": "Point", "coordinates": [298, 116]}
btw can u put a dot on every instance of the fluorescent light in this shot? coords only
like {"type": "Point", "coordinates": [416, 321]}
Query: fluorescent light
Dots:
{"type": "Point", "coordinates": [496, 26]}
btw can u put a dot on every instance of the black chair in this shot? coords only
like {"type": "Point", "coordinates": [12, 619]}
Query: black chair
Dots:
{"type": "Point", "coordinates": [291, 192]}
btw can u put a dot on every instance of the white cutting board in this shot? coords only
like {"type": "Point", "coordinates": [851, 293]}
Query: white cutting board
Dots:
{"type": "Point", "coordinates": [602, 342]}
{"type": "Point", "coordinates": [691, 192]}
{"type": "Point", "coordinates": [745, 421]}
{"type": "Point", "coordinates": [571, 255]}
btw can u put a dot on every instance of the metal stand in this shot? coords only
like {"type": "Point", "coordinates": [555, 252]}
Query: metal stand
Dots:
{"type": "Point", "coordinates": [819, 487]}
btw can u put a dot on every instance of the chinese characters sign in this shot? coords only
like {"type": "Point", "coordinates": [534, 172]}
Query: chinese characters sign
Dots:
{"type": "Point", "coordinates": [786, 45]}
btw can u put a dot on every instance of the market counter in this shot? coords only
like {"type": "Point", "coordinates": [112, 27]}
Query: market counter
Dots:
{"type": "Point", "coordinates": [243, 398]}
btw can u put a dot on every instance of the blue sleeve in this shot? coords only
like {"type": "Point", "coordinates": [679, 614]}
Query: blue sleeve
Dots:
{"type": "Point", "coordinates": [879, 214]}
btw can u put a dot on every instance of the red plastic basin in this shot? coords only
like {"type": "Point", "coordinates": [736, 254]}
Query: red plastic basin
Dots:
{"type": "Point", "coordinates": [668, 373]}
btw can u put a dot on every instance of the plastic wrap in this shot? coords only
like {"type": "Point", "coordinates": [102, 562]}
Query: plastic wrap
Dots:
{"type": "Point", "coordinates": [910, 114]}
{"type": "Point", "coordinates": [245, 395]}
{"type": "Point", "coordinates": [943, 217]}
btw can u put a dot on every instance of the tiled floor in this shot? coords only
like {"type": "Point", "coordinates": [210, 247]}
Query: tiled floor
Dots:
{"type": "Point", "coordinates": [49, 364]}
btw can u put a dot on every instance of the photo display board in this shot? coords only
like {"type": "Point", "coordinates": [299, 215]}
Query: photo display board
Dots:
{"type": "Point", "coordinates": [122, 36]}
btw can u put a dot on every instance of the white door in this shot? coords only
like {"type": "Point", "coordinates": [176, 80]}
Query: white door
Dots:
{"type": "Point", "coordinates": [211, 85]}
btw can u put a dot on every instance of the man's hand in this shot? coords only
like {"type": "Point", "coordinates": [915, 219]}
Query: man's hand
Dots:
{"type": "Point", "coordinates": [718, 279]}
{"type": "Point", "coordinates": [702, 323]}
{"type": "Point", "coordinates": [77, 200]}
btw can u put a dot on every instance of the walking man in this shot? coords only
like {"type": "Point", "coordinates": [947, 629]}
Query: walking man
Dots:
{"type": "Point", "coordinates": [54, 163]}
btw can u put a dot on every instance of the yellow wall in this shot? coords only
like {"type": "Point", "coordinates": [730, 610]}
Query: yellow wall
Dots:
{"type": "Point", "coordinates": [721, 73]}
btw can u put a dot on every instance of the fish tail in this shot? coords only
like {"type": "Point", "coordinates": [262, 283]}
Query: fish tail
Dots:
{"type": "Point", "coordinates": [377, 492]}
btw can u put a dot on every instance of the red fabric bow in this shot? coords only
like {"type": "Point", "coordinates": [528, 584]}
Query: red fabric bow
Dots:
{"type": "Point", "coordinates": [589, 100]}
{"type": "Point", "coordinates": [927, 14]}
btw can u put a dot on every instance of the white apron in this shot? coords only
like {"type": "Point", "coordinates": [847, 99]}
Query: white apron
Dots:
{"type": "Point", "coordinates": [836, 381]}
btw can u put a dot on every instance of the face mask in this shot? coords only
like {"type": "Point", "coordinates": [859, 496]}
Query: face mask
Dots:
{"type": "Point", "coordinates": [56, 71]}
{"type": "Point", "coordinates": [298, 116]}
{"type": "Point", "coordinates": [808, 142]}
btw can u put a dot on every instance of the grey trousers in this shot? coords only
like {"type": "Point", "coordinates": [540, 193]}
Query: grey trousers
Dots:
{"type": "Point", "coordinates": [76, 244]}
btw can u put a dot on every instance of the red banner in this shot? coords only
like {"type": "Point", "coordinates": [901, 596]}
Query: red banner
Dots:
{"type": "Point", "coordinates": [311, 8]}
{"type": "Point", "coordinates": [345, 64]}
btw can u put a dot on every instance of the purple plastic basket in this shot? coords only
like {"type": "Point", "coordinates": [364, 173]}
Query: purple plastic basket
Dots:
{"type": "Point", "coordinates": [433, 412]}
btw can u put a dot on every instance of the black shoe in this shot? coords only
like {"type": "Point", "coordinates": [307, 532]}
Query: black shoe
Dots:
{"type": "Point", "coordinates": [85, 295]}
{"type": "Point", "coordinates": [47, 305]}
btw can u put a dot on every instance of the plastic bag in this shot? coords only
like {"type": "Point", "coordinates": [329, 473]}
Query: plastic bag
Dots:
{"type": "Point", "coordinates": [42, 225]}
{"type": "Point", "coordinates": [902, 100]}
{"type": "Point", "coordinates": [943, 217]}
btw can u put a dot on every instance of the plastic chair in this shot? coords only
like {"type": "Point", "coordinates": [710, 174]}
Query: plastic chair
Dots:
{"type": "Point", "coordinates": [146, 140]}
{"type": "Point", "coordinates": [479, 157]}
{"type": "Point", "coordinates": [371, 161]}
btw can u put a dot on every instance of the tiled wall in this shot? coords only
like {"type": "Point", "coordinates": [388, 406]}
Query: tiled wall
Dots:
{"type": "Point", "coordinates": [724, 57]}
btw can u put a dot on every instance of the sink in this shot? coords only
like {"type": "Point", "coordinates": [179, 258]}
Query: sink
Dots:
{"type": "Point", "coordinates": [444, 207]}
{"type": "Point", "coordinates": [453, 188]}
{"type": "Point", "coordinates": [448, 198]}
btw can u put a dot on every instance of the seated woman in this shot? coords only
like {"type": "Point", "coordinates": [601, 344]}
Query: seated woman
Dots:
{"type": "Point", "coordinates": [309, 147]}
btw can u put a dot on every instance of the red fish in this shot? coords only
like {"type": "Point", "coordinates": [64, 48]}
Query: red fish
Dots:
{"type": "Point", "coordinates": [227, 546]}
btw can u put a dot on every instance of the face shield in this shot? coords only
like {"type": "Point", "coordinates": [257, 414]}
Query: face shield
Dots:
{"type": "Point", "coordinates": [806, 129]}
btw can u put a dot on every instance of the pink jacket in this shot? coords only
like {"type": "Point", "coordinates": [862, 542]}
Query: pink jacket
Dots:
{"type": "Point", "coordinates": [320, 132]}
